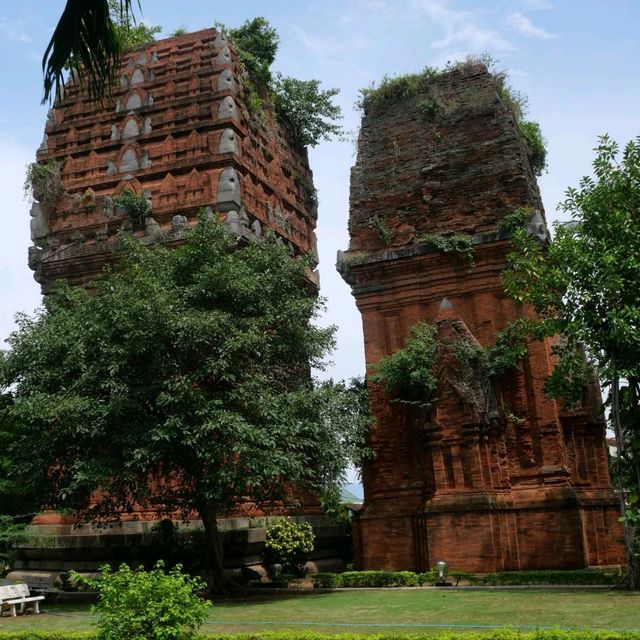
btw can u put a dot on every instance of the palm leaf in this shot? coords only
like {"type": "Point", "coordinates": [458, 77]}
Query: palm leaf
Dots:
{"type": "Point", "coordinates": [85, 43]}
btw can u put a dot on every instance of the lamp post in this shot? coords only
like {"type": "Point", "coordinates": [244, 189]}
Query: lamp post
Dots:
{"type": "Point", "coordinates": [442, 567]}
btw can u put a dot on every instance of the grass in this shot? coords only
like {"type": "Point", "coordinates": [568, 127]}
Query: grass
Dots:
{"type": "Point", "coordinates": [401, 611]}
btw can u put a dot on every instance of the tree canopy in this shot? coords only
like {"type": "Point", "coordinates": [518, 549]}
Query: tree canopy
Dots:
{"type": "Point", "coordinates": [585, 286]}
{"type": "Point", "coordinates": [184, 385]}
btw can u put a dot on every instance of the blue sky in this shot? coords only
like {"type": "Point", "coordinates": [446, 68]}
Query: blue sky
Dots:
{"type": "Point", "coordinates": [578, 61]}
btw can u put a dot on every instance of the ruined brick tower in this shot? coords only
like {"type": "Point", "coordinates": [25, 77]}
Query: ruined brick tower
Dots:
{"type": "Point", "coordinates": [179, 134]}
{"type": "Point", "coordinates": [519, 482]}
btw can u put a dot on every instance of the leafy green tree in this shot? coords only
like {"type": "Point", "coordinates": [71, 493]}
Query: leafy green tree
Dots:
{"type": "Point", "coordinates": [130, 33]}
{"type": "Point", "coordinates": [584, 286]}
{"type": "Point", "coordinates": [183, 386]}
{"type": "Point", "coordinates": [257, 44]}
{"type": "Point", "coordinates": [308, 111]}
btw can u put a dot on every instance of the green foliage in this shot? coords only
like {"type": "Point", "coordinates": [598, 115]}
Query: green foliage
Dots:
{"type": "Point", "coordinates": [10, 533]}
{"type": "Point", "coordinates": [536, 144]}
{"type": "Point", "coordinates": [559, 577]}
{"type": "Point", "coordinates": [378, 224]}
{"type": "Point", "coordinates": [43, 181]}
{"type": "Point", "coordinates": [510, 346]}
{"type": "Point", "coordinates": [136, 206]}
{"type": "Point", "coordinates": [192, 363]}
{"type": "Point", "coordinates": [306, 110]}
{"type": "Point", "coordinates": [378, 579]}
{"type": "Point", "coordinates": [180, 31]}
{"type": "Point", "coordinates": [408, 373]}
{"type": "Point", "coordinates": [467, 634]}
{"type": "Point", "coordinates": [19, 634]}
{"type": "Point", "coordinates": [288, 542]}
{"type": "Point", "coordinates": [257, 44]}
{"type": "Point", "coordinates": [147, 605]}
{"type": "Point", "coordinates": [129, 33]}
{"type": "Point", "coordinates": [397, 87]}
{"type": "Point", "coordinates": [514, 220]}
{"type": "Point", "coordinates": [460, 243]}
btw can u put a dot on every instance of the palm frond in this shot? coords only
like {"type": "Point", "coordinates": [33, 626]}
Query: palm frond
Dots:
{"type": "Point", "coordinates": [85, 43]}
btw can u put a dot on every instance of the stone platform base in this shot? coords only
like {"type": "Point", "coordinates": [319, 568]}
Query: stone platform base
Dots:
{"type": "Point", "coordinates": [57, 548]}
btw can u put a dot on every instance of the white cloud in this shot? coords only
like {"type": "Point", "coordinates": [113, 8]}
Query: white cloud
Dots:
{"type": "Point", "coordinates": [324, 46]}
{"type": "Point", "coordinates": [13, 30]}
{"type": "Point", "coordinates": [18, 290]}
{"type": "Point", "coordinates": [522, 24]}
{"type": "Point", "coordinates": [538, 4]}
{"type": "Point", "coordinates": [461, 28]}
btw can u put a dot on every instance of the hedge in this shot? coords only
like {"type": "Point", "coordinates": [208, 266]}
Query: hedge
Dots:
{"type": "Point", "coordinates": [373, 579]}
{"type": "Point", "coordinates": [506, 634]}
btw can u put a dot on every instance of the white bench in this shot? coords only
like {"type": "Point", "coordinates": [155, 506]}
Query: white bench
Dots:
{"type": "Point", "coordinates": [12, 595]}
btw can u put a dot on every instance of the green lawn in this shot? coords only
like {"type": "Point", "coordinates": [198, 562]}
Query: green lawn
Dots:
{"type": "Point", "coordinates": [391, 611]}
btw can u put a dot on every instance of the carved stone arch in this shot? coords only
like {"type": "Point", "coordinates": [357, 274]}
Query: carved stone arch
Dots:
{"type": "Point", "coordinates": [194, 187]}
{"type": "Point", "coordinates": [131, 128]}
{"type": "Point", "coordinates": [194, 85]}
{"type": "Point", "coordinates": [169, 184]}
{"type": "Point", "coordinates": [69, 166]}
{"type": "Point", "coordinates": [194, 140]}
{"type": "Point", "coordinates": [138, 77]}
{"type": "Point", "coordinates": [168, 190]}
{"type": "Point", "coordinates": [72, 135]}
{"type": "Point", "coordinates": [170, 89]}
{"type": "Point", "coordinates": [169, 115]}
{"type": "Point", "coordinates": [128, 160]}
{"type": "Point", "coordinates": [135, 100]}
{"type": "Point", "coordinates": [96, 132]}
{"type": "Point", "coordinates": [169, 148]}
{"type": "Point", "coordinates": [93, 163]}
{"type": "Point", "coordinates": [131, 184]}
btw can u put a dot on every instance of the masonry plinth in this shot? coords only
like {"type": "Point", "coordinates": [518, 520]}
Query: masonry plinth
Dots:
{"type": "Point", "coordinates": [495, 475]}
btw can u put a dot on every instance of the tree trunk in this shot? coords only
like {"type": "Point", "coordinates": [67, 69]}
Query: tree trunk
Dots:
{"type": "Point", "coordinates": [213, 573]}
{"type": "Point", "coordinates": [633, 574]}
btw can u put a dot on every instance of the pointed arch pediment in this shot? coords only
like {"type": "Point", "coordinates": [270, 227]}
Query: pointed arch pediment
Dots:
{"type": "Point", "coordinates": [169, 184]}
{"type": "Point", "coordinates": [135, 100]}
{"type": "Point", "coordinates": [132, 184]}
{"type": "Point", "coordinates": [129, 160]}
{"type": "Point", "coordinates": [131, 128]}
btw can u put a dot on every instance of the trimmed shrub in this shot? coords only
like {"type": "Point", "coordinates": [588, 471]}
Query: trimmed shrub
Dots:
{"type": "Point", "coordinates": [147, 605]}
{"type": "Point", "coordinates": [377, 579]}
{"type": "Point", "coordinates": [506, 634]}
{"type": "Point", "coordinates": [288, 542]}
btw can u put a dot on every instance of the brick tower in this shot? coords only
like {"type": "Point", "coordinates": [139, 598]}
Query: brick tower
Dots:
{"type": "Point", "coordinates": [520, 482]}
{"type": "Point", "coordinates": [178, 133]}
